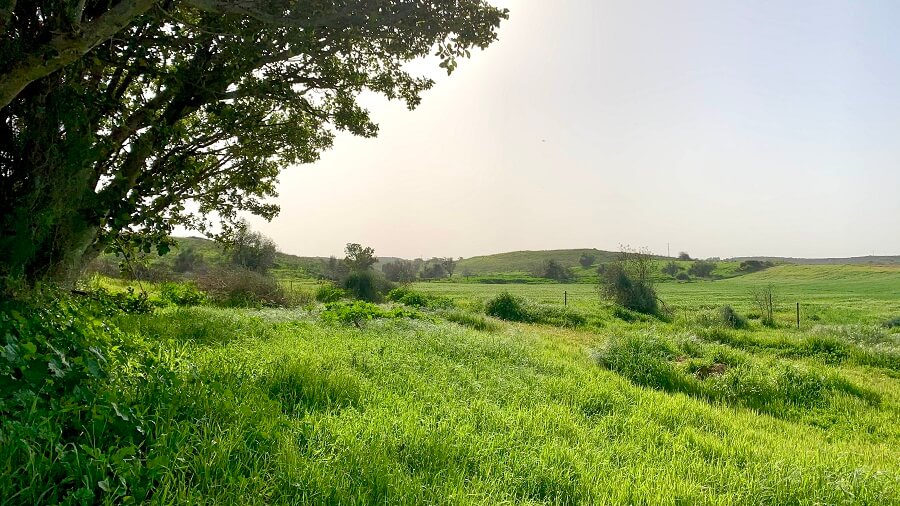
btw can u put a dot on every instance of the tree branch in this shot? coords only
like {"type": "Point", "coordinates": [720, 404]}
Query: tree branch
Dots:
{"type": "Point", "coordinates": [67, 48]}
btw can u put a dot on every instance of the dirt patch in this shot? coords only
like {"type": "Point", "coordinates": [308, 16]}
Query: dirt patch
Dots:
{"type": "Point", "coordinates": [706, 371]}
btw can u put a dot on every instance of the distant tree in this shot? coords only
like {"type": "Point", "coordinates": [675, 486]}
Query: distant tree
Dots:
{"type": "Point", "coordinates": [701, 268]}
{"type": "Point", "coordinates": [671, 269]}
{"type": "Point", "coordinates": [449, 265]}
{"type": "Point", "coordinates": [467, 273]}
{"type": "Point", "coordinates": [400, 271]}
{"type": "Point", "coordinates": [434, 269]}
{"type": "Point", "coordinates": [684, 256]}
{"type": "Point", "coordinates": [754, 265]}
{"type": "Point", "coordinates": [335, 270]}
{"type": "Point", "coordinates": [551, 269]}
{"type": "Point", "coordinates": [587, 260]}
{"type": "Point", "coordinates": [683, 276]}
{"type": "Point", "coordinates": [187, 260]}
{"type": "Point", "coordinates": [252, 250]}
{"type": "Point", "coordinates": [358, 258]}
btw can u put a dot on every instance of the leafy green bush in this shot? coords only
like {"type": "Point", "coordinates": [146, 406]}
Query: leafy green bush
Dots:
{"type": "Point", "coordinates": [731, 318]}
{"type": "Point", "coordinates": [128, 301]}
{"type": "Point", "coordinates": [683, 276]}
{"type": "Point", "coordinates": [629, 291]}
{"type": "Point", "coordinates": [367, 286]}
{"type": "Point", "coordinates": [892, 323]}
{"type": "Point", "coordinates": [66, 435]}
{"type": "Point", "coordinates": [406, 296]}
{"type": "Point", "coordinates": [508, 307]}
{"type": "Point", "coordinates": [182, 294]}
{"type": "Point", "coordinates": [359, 311]}
{"type": "Point", "coordinates": [329, 293]}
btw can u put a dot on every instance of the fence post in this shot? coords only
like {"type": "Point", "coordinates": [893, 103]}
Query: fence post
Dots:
{"type": "Point", "coordinates": [565, 298]}
{"type": "Point", "coordinates": [798, 315]}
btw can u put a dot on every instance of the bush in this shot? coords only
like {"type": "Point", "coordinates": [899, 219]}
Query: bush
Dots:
{"type": "Point", "coordinates": [629, 292]}
{"type": "Point", "coordinates": [671, 269]}
{"type": "Point", "coordinates": [551, 269]}
{"type": "Point", "coordinates": [329, 293]}
{"type": "Point", "coordinates": [731, 318]}
{"type": "Point", "coordinates": [243, 288]}
{"type": "Point", "coordinates": [182, 294]}
{"type": "Point", "coordinates": [127, 302]}
{"type": "Point", "coordinates": [701, 269]}
{"type": "Point", "coordinates": [408, 297]}
{"type": "Point", "coordinates": [892, 323]}
{"type": "Point", "coordinates": [683, 276]}
{"type": "Point", "coordinates": [367, 286]}
{"type": "Point", "coordinates": [359, 311]}
{"type": "Point", "coordinates": [66, 435]}
{"type": "Point", "coordinates": [508, 307]}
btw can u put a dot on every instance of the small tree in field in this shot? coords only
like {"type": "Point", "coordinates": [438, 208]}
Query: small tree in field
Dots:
{"type": "Point", "coordinates": [702, 268]}
{"type": "Point", "coordinates": [671, 269]}
{"type": "Point", "coordinates": [449, 265]}
{"type": "Point", "coordinates": [358, 258]}
{"type": "Point", "coordinates": [252, 250]}
{"type": "Point", "coordinates": [683, 255]}
{"type": "Point", "coordinates": [551, 269]}
{"type": "Point", "coordinates": [765, 301]}
{"type": "Point", "coordinates": [628, 281]}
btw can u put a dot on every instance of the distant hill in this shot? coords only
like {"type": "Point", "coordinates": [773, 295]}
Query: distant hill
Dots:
{"type": "Point", "coordinates": [528, 261]}
{"type": "Point", "coordinates": [865, 260]}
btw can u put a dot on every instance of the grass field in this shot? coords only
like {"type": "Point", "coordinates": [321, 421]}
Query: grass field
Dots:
{"type": "Point", "coordinates": [284, 406]}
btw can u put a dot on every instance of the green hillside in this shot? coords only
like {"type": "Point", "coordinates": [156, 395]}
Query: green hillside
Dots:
{"type": "Point", "coordinates": [528, 261]}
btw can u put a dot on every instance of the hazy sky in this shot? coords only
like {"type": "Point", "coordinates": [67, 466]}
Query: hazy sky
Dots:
{"type": "Point", "coordinates": [723, 128]}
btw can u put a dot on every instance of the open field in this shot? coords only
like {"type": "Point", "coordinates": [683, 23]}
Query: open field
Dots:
{"type": "Point", "coordinates": [290, 406]}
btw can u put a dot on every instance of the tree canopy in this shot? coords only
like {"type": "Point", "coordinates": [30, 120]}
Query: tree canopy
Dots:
{"type": "Point", "coordinates": [120, 121]}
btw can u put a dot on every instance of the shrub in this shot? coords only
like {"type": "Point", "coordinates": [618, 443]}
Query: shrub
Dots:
{"type": "Point", "coordinates": [557, 316]}
{"type": "Point", "coordinates": [182, 294]}
{"type": "Point", "coordinates": [683, 276]}
{"type": "Point", "coordinates": [587, 260]}
{"type": "Point", "coordinates": [329, 293]}
{"type": "Point", "coordinates": [359, 311]}
{"type": "Point", "coordinates": [731, 318]}
{"type": "Point", "coordinates": [367, 285]}
{"type": "Point", "coordinates": [508, 307]}
{"type": "Point", "coordinates": [551, 269]}
{"type": "Point", "coordinates": [765, 301]}
{"type": "Point", "coordinates": [59, 416]}
{"type": "Point", "coordinates": [188, 260]}
{"type": "Point", "coordinates": [127, 302]}
{"type": "Point", "coordinates": [628, 282]}
{"type": "Point", "coordinates": [629, 292]}
{"type": "Point", "coordinates": [892, 323]}
{"type": "Point", "coordinates": [243, 288]}
{"type": "Point", "coordinates": [408, 297]}
{"type": "Point", "coordinates": [701, 268]}
{"type": "Point", "coordinates": [671, 269]}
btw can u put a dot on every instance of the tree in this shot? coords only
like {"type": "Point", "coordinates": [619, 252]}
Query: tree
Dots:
{"type": "Point", "coordinates": [764, 299]}
{"type": "Point", "coordinates": [629, 283]}
{"type": "Point", "coordinates": [683, 255]}
{"type": "Point", "coordinates": [449, 265]}
{"type": "Point", "coordinates": [701, 268]}
{"type": "Point", "coordinates": [400, 271]}
{"type": "Point", "coordinates": [587, 260]}
{"type": "Point", "coordinates": [671, 269]}
{"type": "Point", "coordinates": [434, 269]}
{"type": "Point", "coordinates": [359, 259]}
{"type": "Point", "coordinates": [551, 269]}
{"type": "Point", "coordinates": [187, 260]}
{"type": "Point", "coordinates": [251, 250]}
{"type": "Point", "coordinates": [334, 270]}
{"type": "Point", "coordinates": [120, 121]}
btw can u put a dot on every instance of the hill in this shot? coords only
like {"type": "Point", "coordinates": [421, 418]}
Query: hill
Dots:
{"type": "Point", "coordinates": [864, 260]}
{"type": "Point", "coordinates": [528, 261]}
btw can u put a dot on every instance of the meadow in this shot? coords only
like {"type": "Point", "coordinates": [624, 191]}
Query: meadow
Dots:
{"type": "Point", "coordinates": [437, 403]}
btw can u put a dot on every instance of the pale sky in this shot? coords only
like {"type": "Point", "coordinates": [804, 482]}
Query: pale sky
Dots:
{"type": "Point", "coordinates": [723, 128]}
